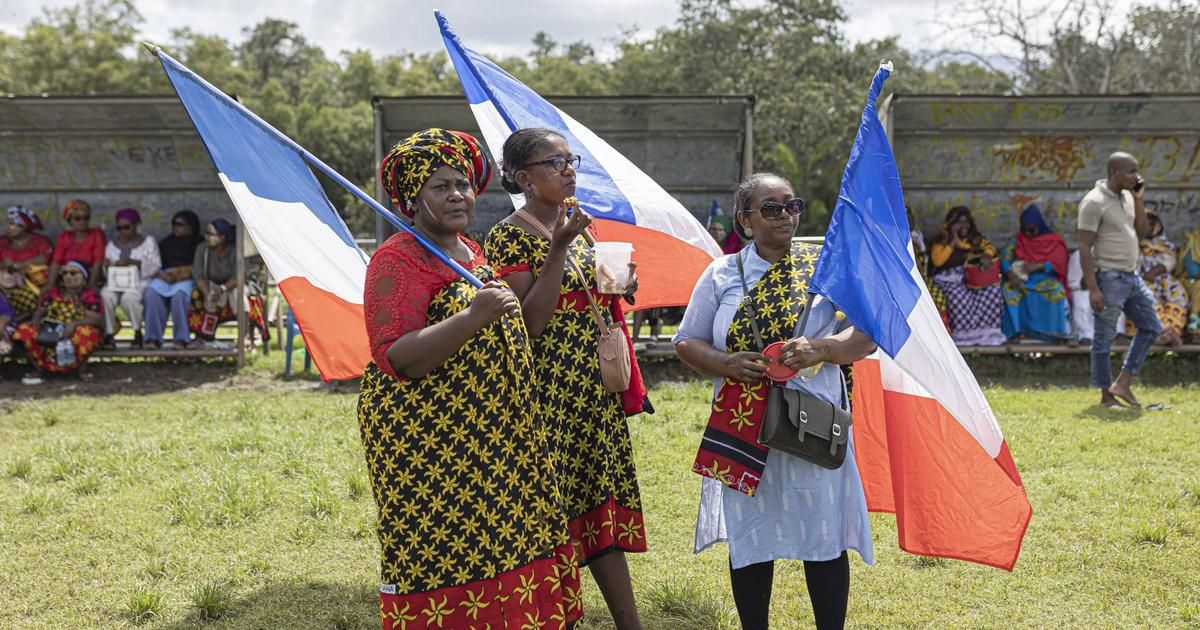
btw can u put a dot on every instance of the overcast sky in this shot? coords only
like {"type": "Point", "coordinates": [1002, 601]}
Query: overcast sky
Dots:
{"type": "Point", "coordinates": [498, 28]}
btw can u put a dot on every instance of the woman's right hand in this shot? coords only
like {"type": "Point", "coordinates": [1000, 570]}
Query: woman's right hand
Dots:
{"type": "Point", "coordinates": [1014, 281]}
{"type": "Point", "coordinates": [492, 302]}
{"type": "Point", "coordinates": [567, 228]}
{"type": "Point", "coordinates": [747, 367]}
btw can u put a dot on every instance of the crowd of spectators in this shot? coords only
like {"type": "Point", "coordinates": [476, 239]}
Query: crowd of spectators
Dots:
{"type": "Point", "coordinates": [1031, 287]}
{"type": "Point", "coordinates": [60, 299]}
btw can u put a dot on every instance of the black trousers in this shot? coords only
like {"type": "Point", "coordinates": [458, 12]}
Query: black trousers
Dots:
{"type": "Point", "coordinates": [828, 589]}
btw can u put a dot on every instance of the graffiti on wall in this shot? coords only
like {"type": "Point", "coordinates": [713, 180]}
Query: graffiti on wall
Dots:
{"type": "Point", "coordinates": [30, 163]}
{"type": "Point", "coordinates": [1061, 158]}
{"type": "Point", "coordinates": [1074, 160]}
{"type": "Point", "coordinates": [43, 173]}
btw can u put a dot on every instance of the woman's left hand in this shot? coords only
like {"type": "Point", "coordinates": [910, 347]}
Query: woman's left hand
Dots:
{"type": "Point", "coordinates": [632, 286]}
{"type": "Point", "coordinates": [799, 353]}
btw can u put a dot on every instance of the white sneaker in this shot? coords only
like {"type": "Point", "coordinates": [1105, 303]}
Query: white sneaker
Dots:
{"type": "Point", "coordinates": [32, 379]}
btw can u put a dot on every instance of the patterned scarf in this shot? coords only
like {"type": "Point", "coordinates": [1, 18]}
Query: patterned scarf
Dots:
{"type": "Point", "coordinates": [729, 451]}
{"type": "Point", "coordinates": [406, 168]}
{"type": "Point", "coordinates": [1192, 247]}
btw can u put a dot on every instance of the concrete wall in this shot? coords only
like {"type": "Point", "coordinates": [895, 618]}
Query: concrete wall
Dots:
{"type": "Point", "coordinates": [998, 154]}
{"type": "Point", "coordinates": [139, 152]}
{"type": "Point", "coordinates": [695, 147]}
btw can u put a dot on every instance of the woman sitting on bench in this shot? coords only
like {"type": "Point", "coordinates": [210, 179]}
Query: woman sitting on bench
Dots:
{"type": "Point", "coordinates": [214, 268]}
{"type": "Point", "coordinates": [65, 328]}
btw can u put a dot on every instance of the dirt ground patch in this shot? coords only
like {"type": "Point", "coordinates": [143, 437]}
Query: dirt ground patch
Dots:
{"type": "Point", "coordinates": [158, 376]}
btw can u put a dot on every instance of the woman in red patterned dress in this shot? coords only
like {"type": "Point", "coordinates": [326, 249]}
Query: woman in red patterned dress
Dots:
{"type": "Point", "coordinates": [80, 310]}
{"type": "Point", "coordinates": [24, 255]}
{"type": "Point", "coordinates": [80, 242]}
{"type": "Point", "coordinates": [471, 526]}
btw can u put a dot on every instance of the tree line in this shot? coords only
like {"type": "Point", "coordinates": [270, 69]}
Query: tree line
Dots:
{"type": "Point", "coordinates": [794, 55]}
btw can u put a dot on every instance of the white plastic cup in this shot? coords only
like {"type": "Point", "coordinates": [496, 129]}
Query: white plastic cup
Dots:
{"type": "Point", "coordinates": [612, 266]}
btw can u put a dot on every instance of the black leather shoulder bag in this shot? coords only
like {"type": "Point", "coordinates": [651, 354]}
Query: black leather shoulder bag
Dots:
{"type": "Point", "coordinates": [797, 423]}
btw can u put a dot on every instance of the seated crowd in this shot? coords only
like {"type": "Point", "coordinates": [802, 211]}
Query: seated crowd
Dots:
{"type": "Point", "coordinates": [1032, 289]}
{"type": "Point", "coordinates": [59, 300]}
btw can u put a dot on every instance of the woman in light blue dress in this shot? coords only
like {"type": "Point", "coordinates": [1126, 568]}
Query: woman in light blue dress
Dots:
{"type": "Point", "coordinates": [770, 505]}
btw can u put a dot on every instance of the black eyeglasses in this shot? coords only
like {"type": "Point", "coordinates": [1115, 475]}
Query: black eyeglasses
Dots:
{"type": "Point", "coordinates": [774, 210]}
{"type": "Point", "coordinates": [558, 162]}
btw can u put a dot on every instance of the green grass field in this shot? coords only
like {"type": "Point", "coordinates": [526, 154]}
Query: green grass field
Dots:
{"type": "Point", "coordinates": [243, 503]}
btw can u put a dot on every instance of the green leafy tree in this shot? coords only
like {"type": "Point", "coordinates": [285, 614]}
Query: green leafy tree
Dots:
{"type": "Point", "coordinates": [213, 58]}
{"type": "Point", "coordinates": [81, 49]}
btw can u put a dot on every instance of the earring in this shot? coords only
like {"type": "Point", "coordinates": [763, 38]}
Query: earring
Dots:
{"type": "Point", "coordinates": [749, 232]}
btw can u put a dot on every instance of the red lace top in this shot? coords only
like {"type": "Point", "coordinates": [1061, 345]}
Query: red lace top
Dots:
{"type": "Point", "coordinates": [37, 245]}
{"type": "Point", "coordinates": [86, 251]}
{"type": "Point", "coordinates": [402, 279]}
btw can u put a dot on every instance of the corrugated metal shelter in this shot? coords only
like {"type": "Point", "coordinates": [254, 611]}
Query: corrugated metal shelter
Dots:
{"type": "Point", "coordinates": [997, 154]}
{"type": "Point", "coordinates": [696, 147]}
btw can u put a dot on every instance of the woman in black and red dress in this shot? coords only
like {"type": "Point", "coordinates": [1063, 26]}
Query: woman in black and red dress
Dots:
{"type": "Point", "coordinates": [470, 519]}
{"type": "Point", "coordinates": [589, 436]}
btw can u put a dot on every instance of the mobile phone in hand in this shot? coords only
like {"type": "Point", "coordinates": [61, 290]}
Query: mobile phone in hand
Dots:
{"type": "Point", "coordinates": [1141, 183]}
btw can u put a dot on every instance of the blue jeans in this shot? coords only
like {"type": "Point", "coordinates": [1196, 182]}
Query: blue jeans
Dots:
{"type": "Point", "coordinates": [1126, 292]}
{"type": "Point", "coordinates": [157, 309]}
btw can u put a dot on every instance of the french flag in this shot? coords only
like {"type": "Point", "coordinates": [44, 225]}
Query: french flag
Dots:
{"type": "Point", "coordinates": [671, 247]}
{"type": "Point", "coordinates": [304, 242]}
{"type": "Point", "coordinates": [928, 445]}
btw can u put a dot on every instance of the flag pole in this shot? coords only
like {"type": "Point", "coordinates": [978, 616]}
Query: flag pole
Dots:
{"type": "Point", "coordinates": [316, 162]}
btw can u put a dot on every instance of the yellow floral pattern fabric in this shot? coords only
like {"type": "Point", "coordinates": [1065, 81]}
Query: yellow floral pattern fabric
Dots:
{"type": "Point", "coordinates": [589, 435]}
{"type": "Point", "coordinates": [471, 526]}
{"type": "Point", "coordinates": [730, 452]}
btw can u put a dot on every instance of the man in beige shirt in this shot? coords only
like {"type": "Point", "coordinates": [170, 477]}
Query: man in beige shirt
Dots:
{"type": "Point", "coordinates": [1112, 219]}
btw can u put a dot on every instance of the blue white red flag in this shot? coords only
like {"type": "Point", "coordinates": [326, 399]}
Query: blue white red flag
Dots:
{"type": "Point", "coordinates": [713, 212]}
{"type": "Point", "coordinates": [928, 446]}
{"type": "Point", "coordinates": [671, 247]}
{"type": "Point", "coordinates": [304, 242]}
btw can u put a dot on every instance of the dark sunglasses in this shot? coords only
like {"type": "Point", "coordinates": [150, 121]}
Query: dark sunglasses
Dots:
{"type": "Point", "coordinates": [124, 228]}
{"type": "Point", "coordinates": [558, 162]}
{"type": "Point", "coordinates": [774, 210]}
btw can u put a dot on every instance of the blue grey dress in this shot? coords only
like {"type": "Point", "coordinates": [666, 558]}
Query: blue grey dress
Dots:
{"type": "Point", "coordinates": [800, 510]}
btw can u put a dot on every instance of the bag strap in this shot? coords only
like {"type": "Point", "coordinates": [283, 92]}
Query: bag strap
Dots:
{"type": "Point", "coordinates": [537, 226]}
{"type": "Point", "coordinates": [800, 324]}
{"type": "Point", "coordinates": [748, 303]}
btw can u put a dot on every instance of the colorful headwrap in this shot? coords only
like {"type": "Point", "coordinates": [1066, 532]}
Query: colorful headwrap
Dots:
{"type": "Point", "coordinates": [73, 205]}
{"type": "Point", "coordinates": [226, 229]}
{"type": "Point", "coordinates": [406, 168]}
{"type": "Point", "coordinates": [78, 265]}
{"type": "Point", "coordinates": [26, 217]}
{"type": "Point", "coordinates": [1033, 216]}
{"type": "Point", "coordinates": [130, 215]}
